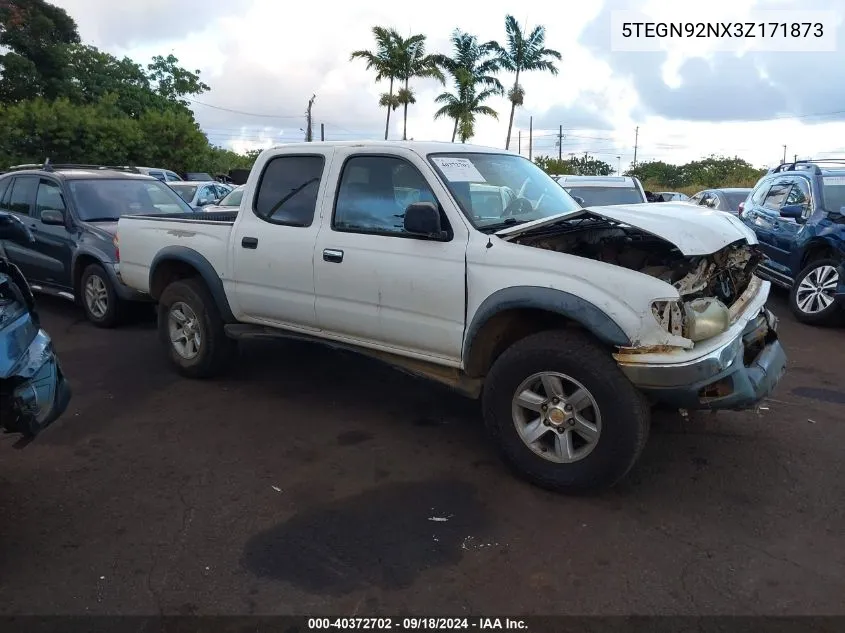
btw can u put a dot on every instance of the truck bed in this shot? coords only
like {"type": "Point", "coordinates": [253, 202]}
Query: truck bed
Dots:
{"type": "Point", "coordinates": [141, 238]}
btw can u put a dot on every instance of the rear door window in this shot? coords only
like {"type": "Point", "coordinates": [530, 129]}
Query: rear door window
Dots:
{"type": "Point", "coordinates": [23, 194]}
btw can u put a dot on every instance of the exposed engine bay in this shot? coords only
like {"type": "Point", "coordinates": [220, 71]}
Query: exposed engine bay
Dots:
{"type": "Point", "coordinates": [708, 284]}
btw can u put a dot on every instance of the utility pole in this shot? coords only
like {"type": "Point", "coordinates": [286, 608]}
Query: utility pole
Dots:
{"type": "Point", "coordinates": [618, 165]}
{"type": "Point", "coordinates": [530, 136]}
{"type": "Point", "coordinates": [519, 142]}
{"type": "Point", "coordinates": [560, 143]}
{"type": "Point", "coordinates": [308, 133]}
{"type": "Point", "coordinates": [784, 155]}
{"type": "Point", "coordinates": [796, 158]}
{"type": "Point", "coordinates": [322, 131]}
{"type": "Point", "coordinates": [636, 142]}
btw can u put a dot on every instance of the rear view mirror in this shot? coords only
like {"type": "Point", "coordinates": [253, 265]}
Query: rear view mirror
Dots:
{"type": "Point", "coordinates": [423, 219]}
{"type": "Point", "coordinates": [52, 217]}
{"type": "Point", "coordinates": [579, 200]}
{"type": "Point", "coordinates": [12, 228]}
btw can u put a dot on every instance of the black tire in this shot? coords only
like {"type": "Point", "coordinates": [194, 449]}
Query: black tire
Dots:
{"type": "Point", "coordinates": [115, 308]}
{"type": "Point", "coordinates": [216, 351]}
{"type": "Point", "coordinates": [832, 315]}
{"type": "Point", "coordinates": [625, 414]}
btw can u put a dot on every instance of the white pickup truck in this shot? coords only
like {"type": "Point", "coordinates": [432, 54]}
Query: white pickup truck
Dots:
{"type": "Point", "coordinates": [567, 322]}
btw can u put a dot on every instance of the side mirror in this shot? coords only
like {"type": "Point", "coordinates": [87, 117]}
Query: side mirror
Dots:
{"type": "Point", "coordinates": [423, 218]}
{"type": "Point", "coordinates": [794, 211]}
{"type": "Point", "coordinates": [11, 228]}
{"type": "Point", "coordinates": [52, 217]}
{"type": "Point", "coordinates": [579, 200]}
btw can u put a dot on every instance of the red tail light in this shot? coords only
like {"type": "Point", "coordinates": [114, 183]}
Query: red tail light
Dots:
{"type": "Point", "coordinates": [116, 242]}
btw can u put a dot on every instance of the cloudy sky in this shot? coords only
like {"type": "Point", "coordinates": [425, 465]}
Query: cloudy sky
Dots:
{"type": "Point", "coordinates": [265, 58]}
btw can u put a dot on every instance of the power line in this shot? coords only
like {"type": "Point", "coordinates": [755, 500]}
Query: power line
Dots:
{"type": "Point", "coordinates": [267, 116]}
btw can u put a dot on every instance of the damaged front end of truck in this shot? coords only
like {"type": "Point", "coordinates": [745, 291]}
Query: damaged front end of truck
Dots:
{"type": "Point", "coordinates": [714, 344]}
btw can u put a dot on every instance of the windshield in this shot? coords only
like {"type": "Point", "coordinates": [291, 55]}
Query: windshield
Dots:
{"type": "Point", "coordinates": [104, 200]}
{"type": "Point", "coordinates": [735, 198]}
{"type": "Point", "coordinates": [233, 199]}
{"type": "Point", "coordinates": [834, 193]}
{"type": "Point", "coordinates": [495, 190]}
{"type": "Point", "coordinates": [606, 196]}
{"type": "Point", "coordinates": [186, 192]}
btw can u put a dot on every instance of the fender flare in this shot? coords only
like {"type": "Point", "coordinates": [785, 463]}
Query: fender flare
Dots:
{"type": "Point", "coordinates": [203, 267]}
{"type": "Point", "coordinates": [566, 304]}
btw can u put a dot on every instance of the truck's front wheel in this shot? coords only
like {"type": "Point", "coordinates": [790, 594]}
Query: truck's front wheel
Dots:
{"type": "Point", "coordinates": [563, 414]}
{"type": "Point", "coordinates": [191, 330]}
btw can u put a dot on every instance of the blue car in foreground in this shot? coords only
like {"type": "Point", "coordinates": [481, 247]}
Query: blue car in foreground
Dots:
{"type": "Point", "coordinates": [797, 211]}
{"type": "Point", "coordinates": [33, 389]}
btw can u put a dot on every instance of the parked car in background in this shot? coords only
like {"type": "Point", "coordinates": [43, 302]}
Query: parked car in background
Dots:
{"type": "Point", "coordinates": [230, 202]}
{"type": "Point", "coordinates": [671, 196]}
{"type": "Point", "coordinates": [728, 199]}
{"type": "Point", "coordinates": [797, 211]}
{"type": "Point", "coordinates": [591, 191]}
{"type": "Point", "coordinates": [198, 176]}
{"type": "Point", "coordinates": [33, 389]}
{"type": "Point", "coordinates": [72, 213]}
{"type": "Point", "coordinates": [165, 175]}
{"type": "Point", "coordinates": [565, 321]}
{"type": "Point", "coordinates": [200, 194]}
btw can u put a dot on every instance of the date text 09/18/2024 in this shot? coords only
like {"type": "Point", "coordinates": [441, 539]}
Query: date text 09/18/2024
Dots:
{"type": "Point", "coordinates": [416, 624]}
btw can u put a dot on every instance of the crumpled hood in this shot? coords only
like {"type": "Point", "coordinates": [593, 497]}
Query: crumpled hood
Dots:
{"type": "Point", "coordinates": [692, 229]}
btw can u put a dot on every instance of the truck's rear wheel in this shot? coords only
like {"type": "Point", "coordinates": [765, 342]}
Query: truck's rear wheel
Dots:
{"type": "Point", "coordinates": [191, 330]}
{"type": "Point", "coordinates": [563, 414]}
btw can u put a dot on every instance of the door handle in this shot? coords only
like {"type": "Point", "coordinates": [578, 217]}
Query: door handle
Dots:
{"type": "Point", "coordinates": [250, 242]}
{"type": "Point", "coordinates": [332, 255]}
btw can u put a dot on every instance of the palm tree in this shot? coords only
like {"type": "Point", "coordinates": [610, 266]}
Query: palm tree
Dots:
{"type": "Point", "coordinates": [523, 54]}
{"type": "Point", "coordinates": [413, 63]}
{"type": "Point", "coordinates": [385, 61]}
{"type": "Point", "coordinates": [471, 64]}
{"type": "Point", "coordinates": [465, 105]}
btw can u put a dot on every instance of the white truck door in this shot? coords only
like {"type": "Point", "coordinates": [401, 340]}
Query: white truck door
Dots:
{"type": "Point", "coordinates": [376, 284]}
{"type": "Point", "coordinates": [273, 241]}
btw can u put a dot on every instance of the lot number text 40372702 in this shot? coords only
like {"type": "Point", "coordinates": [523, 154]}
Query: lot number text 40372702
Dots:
{"type": "Point", "coordinates": [417, 624]}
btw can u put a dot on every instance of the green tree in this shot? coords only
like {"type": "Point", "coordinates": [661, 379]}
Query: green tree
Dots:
{"type": "Point", "coordinates": [555, 166]}
{"type": "Point", "coordinates": [34, 34]}
{"type": "Point", "coordinates": [657, 171]}
{"type": "Point", "coordinates": [576, 166]}
{"type": "Point", "coordinates": [100, 133]}
{"type": "Point", "coordinates": [471, 65]}
{"type": "Point", "coordinates": [385, 62]}
{"type": "Point", "coordinates": [172, 82]}
{"type": "Point", "coordinates": [413, 63]}
{"type": "Point", "coordinates": [465, 104]}
{"type": "Point", "coordinates": [523, 54]}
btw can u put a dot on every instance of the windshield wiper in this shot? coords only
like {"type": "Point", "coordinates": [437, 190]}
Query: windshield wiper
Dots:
{"type": "Point", "coordinates": [502, 225]}
{"type": "Point", "coordinates": [101, 219]}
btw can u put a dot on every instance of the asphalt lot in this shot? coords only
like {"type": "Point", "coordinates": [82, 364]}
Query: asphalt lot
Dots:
{"type": "Point", "coordinates": [305, 483]}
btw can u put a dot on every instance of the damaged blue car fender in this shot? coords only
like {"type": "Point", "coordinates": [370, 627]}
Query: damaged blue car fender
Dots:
{"type": "Point", "coordinates": [33, 389]}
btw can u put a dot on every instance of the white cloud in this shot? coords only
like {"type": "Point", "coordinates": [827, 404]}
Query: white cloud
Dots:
{"type": "Point", "coordinates": [267, 57]}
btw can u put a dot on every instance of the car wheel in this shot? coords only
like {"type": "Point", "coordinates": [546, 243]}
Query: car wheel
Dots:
{"type": "Point", "coordinates": [192, 330]}
{"type": "Point", "coordinates": [812, 296]}
{"type": "Point", "coordinates": [563, 414]}
{"type": "Point", "coordinates": [102, 306]}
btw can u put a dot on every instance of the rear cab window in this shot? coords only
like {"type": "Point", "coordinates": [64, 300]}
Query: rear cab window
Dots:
{"type": "Point", "coordinates": [288, 189]}
{"type": "Point", "coordinates": [606, 196]}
